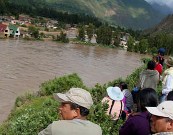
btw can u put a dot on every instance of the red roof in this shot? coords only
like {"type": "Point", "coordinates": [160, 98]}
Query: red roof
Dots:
{"type": "Point", "coordinates": [2, 27]}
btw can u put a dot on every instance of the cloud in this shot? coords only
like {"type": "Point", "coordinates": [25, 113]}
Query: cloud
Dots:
{"type": "Point", "coordinates": [168, 3]}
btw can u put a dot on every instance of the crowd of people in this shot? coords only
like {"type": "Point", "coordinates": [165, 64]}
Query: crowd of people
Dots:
{"type": "Point", "coordinates": [143, 111]}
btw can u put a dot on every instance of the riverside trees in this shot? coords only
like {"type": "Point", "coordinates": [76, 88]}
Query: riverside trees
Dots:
{"type": "Point", "coordinates": [150, 44]}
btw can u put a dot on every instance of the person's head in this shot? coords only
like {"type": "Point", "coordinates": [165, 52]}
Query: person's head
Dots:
{"type": "Point", "coordinates": [151, 65]}
{"type": "Point", "coordinates": [147, 97]}
{"type": "Point", "coordinates": [115, 93]}
{"type": "Point", "coordinates": [75, 103]}
{"type": "Point", "coordinates": [162, 117]}
{"type": "Point", "coordinates": [123, 85]}
{"type": "Point", "coordinates": [170, 96]}
{"type": "Point", "coordinates": [169, 61]}
{"type": "Point", "coordinates": [161, 51]}
{"type": "Point", "coordinates": [156, 59]}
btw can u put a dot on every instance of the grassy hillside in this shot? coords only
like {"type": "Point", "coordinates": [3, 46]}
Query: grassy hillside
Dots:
{"type": "Point", "coordinates": [137, 14]}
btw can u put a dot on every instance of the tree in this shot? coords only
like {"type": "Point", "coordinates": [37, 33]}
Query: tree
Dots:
{"type": "Point", "coordinates": [33, 31]}
{"type": "Point", "coordinates": [3, 6]}
{"type": "Point", "coordinates": [62, 37]}
{"type": "Point", "coordinates": [136, 47]}
{"type": "Point", "coordinates": [116, 41]}
{"type": "Point", "coordinates": [130, 44]}
{"type": "Point", "coordinates": [162, 40]}
{"type": "Point", "coordinates": [90, 30]}
{"type": "Point", "coordinates": [104, 35]}
{"type": "Point", "coordinates": [81, 35]}
{"type": "Point", "coordinates": [143, 46]}
{"type": "Point", "coordinates": [42, 35]}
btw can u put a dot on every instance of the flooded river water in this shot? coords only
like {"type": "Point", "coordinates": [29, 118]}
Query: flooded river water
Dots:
{"type": "Point", "coordinates": [24, 65]}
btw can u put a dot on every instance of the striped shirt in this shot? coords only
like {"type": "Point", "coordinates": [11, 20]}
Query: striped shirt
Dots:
{"type": "Point", "coordinates": [129, 99]}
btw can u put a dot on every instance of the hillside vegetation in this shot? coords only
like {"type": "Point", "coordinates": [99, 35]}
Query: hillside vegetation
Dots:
{"type": "Point", "coordinates": [137, 14]}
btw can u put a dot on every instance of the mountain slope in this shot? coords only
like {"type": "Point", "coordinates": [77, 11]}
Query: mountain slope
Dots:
{"type": "Point", "coordinates": [162, 6]}
{"type": "Point", "coordinates": [137, 14]}
{"type": "Point", "coordinates": [165, 26]}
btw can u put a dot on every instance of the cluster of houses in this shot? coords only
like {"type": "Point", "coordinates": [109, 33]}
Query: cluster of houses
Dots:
{"type": "Point", "coordinates": [9, 30]}
{"type": "Point", "coordinates": [10, 27]}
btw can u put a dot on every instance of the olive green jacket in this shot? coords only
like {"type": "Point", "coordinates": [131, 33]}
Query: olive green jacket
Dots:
{"type": "Point", "coordinates": [72, 127]}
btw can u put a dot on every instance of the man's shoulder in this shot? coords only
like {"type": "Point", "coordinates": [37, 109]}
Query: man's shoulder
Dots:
{"type": "Point", "coordinates": [75, 122]}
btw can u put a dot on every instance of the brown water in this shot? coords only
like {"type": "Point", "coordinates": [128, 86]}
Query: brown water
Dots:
{"type": "Point", "coordinates": [24, 65]}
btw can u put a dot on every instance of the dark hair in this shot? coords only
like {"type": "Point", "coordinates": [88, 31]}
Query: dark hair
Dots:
{"type": "Point", "coordinates": [83, 111]}
{"type": "Point", "coordinates": [170, 96]}
{"type": "Point", "coordinates": [123, 85]}
{"type": "Point", "coordinates": [147, 98]}
{"type": "Point", "coordinates": [151, 65]}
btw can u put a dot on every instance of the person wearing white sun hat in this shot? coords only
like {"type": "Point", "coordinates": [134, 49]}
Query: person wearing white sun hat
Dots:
{"type": "Point", "coordinates": [114, 100]}
{"type": "Point", "coordinates": [162, 118]}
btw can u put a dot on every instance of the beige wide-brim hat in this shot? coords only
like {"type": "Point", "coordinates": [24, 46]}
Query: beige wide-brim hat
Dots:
{"type": "Point", "coordinates": [75, 95]}
{"type": "Point", "coordinates": [169, 61]}
{"type": "Point", "coordinates": [164, 109]}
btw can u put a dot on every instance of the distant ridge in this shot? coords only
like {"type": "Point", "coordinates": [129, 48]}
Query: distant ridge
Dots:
{"type": "Point", "coordinates": [165, 26]}
{"type": "Point", "coordinates": [136, 14]}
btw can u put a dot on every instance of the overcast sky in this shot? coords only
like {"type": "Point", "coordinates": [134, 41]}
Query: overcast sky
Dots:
{"type": "Point", "coordinates": [169, 3]}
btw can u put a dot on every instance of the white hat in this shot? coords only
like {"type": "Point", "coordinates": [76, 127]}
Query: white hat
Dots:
{"type": "Point", "coordinates": [115, 93]}
{"type": "Point", "coordinates": [164, 109]}
{"type": "Point", "coordinates": [76, 95]}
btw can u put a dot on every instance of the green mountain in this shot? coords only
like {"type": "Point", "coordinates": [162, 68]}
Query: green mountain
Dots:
{"type": "Point", "coordinates": [137, 14]}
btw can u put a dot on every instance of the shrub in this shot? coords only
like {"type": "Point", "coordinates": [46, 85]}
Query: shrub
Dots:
{"type": "Point", "coordinates": [61, 84]}
{"type": "Point", "coordinates": [23, 99]}
{"type": "Point", "coordinates": [30, 118]}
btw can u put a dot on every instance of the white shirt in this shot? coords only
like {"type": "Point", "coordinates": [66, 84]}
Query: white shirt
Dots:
{"type": "Point", "coordinates": [168, 85]}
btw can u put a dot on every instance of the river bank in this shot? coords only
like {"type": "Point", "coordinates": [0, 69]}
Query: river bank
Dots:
{"type": "Point", "coordinates": [35, 112]}
{"type": "Point", "coordinates": [27, 64]}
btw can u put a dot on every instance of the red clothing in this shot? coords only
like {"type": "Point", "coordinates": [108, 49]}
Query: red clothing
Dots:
{"type": "Point", "coordinates": [159, 68]}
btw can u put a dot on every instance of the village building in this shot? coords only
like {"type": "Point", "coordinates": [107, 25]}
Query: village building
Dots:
{"type": "Point", "coordinates": [14, 31]}
{"type": "Point", "coordinates": [86, 38]}
{"type": "Point", "coordinates": [4, 30]}
{"type": "Point", "coordinates": [94, 39]}
{"type": "Point", "coordinates": [123, 40]}
{"type": "Point", "coordinates": [72, 33]}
